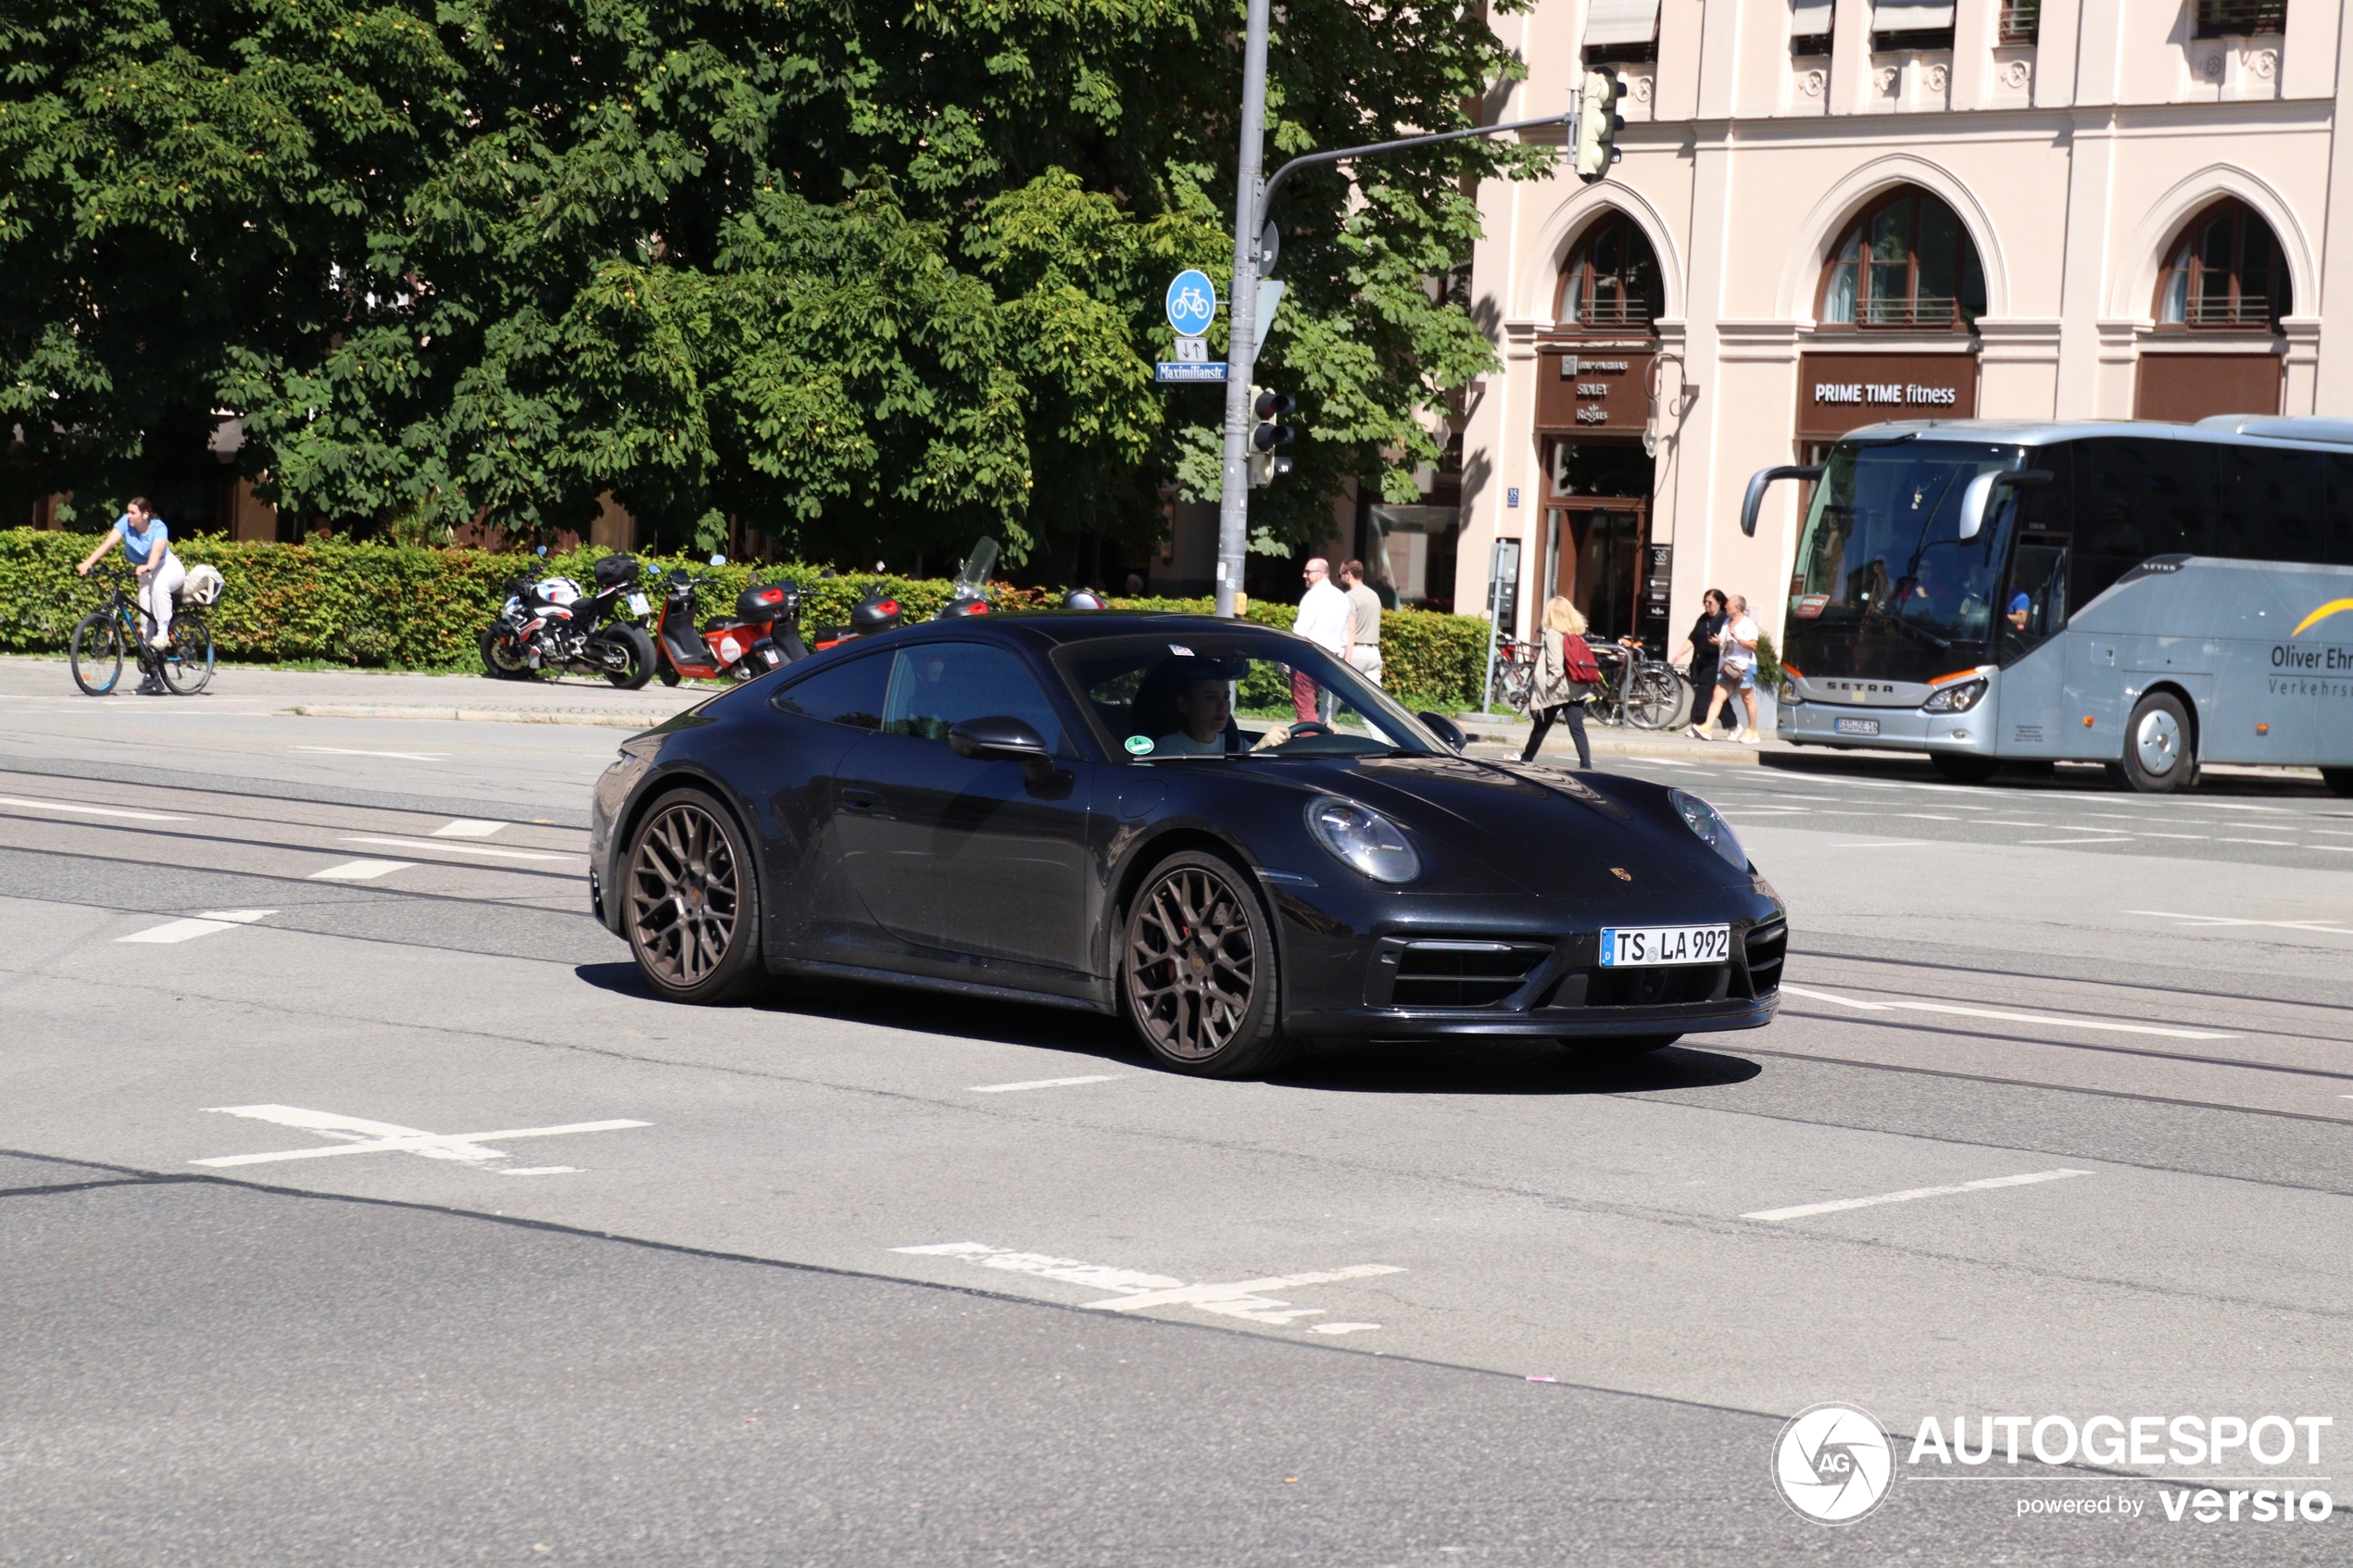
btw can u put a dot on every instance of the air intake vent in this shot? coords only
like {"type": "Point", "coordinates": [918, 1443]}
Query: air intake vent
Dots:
{"type": "Point", "coordinates": [1658, 987]}
{"type": "Point", "coordinates": [1766, 945]}
{"type": "Point", "coordinates": [1463, 974]}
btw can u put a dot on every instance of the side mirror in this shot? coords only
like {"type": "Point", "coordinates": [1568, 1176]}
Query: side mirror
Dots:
{"type": "Point", "coordinates": [1977, 501]}
{"type": "Point", "coordinates": [542, 550]}
{"type": "Point", "coordinates": [1002, 738]}
{"type": "Point", "coordinates": [1762, 480]}
{"type": "Point", "coordinates": [719, 560]}
{"type": "Point", "coordinates": [1445, 729]}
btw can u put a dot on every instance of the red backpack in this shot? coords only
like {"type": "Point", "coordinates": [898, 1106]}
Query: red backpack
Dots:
{"type": "Point", "coordinates": [1578, 660]}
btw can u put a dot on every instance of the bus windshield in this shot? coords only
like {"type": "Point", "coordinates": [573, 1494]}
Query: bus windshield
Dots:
{"type": "Point", "coordinates": [1883, 573]}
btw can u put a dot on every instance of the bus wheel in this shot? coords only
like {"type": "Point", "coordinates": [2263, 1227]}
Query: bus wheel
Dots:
{"type": "Point", "coordinates": [2156, 747]}
{"type": "Point", "coordinates": [1960, 768]}
{"type": "Point", "coordinates": [2339, 780]}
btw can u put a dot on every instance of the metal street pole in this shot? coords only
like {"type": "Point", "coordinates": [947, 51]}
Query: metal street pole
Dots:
{"type": "Point", "coordinates": [1241, 324]}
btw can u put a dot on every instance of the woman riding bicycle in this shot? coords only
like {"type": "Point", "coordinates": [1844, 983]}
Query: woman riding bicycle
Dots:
{"type": "Point", "coordinates": [148, 544]}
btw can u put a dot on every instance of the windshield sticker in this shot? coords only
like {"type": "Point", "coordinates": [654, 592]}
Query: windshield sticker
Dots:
{"type": "Point", "coordinates": [1180, 650]}
{"type": "Point", "coordinates": [1140, 746]}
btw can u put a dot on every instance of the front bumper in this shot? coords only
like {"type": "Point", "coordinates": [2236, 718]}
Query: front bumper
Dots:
{"type": "Point", "coordinates": [1900, 729]}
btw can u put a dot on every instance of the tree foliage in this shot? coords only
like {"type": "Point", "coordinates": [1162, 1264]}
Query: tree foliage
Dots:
{"type": "Point", "coordinates": [871, 276]}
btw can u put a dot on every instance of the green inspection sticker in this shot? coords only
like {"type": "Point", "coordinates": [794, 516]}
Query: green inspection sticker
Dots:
{"type": "Point", "coordinates": [1140, 744]}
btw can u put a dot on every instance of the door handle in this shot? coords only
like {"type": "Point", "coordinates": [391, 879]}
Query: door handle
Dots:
{"type": "Point", "coordinates": [860, 799]}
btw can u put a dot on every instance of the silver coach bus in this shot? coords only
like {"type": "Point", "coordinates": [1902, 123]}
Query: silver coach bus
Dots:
{"type": "Point", "coordinates": [2150, 596]}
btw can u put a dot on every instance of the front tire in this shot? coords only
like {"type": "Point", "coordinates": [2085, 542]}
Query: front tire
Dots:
{"type": "Point", "coordinates": [95, 653]}
{"type": "Point", "coordinates": [1656, 699]}
{"type": "Point", "coordinates": [500, 659]}
{"type": "Point", "coordinates": [1197, 974]}
{"type": "Point", "coordinates": [691, 902]}
{"type": "Point", "coordinates": [2158, 752]}
{"type": "Point", "coordinates": [1962, 768]}
{"type": "Point", "coordinates": [2339, 780]}
{"type": "Point", "coordinates": [639, 648]}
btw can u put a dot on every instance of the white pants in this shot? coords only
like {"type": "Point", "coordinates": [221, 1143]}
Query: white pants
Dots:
{"type": "Point", "coordinates": [155, 595]}
{"type": "Point", "coordinates": [1364, 658]}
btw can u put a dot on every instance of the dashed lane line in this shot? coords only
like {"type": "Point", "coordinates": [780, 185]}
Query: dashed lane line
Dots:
{"type": "Point", "coordinates": [29, 804]}
{"type": "Point", "coordinates": [1041, 1083]}
{"type": "Point", "coordinates": [468, 827]}
{"type": "Point", "coordinates": [360, 870]}
{"type": "Point", "coordinates": [1802, 1210]}
{"type": "Point", "coordinates": [2048, 1021]}
{"type": "Point", "coordinates": [203, 924]}
{"type": "Point", "coordinates": [450, 848]}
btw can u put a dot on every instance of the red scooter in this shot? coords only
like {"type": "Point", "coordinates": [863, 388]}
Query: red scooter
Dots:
{"type": "Point", "coordinates": [763, 635]}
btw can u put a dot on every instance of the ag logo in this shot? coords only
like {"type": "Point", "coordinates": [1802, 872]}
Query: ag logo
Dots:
{"type": "Point", "coordinates": [1832, 1463]}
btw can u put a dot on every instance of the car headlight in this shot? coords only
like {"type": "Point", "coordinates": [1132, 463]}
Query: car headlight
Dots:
{"type": "Point", "coordinates": [1707, 821]}
{"type": "Point", "coordinates": [1959, 697]}
{"type": "Point", "coordinates": [1364, 838]}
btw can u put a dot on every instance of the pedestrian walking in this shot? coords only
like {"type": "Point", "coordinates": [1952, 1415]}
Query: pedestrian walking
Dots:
{"type": "Point", "coordinates": [1362, 652]}
{"type": "Point", "coordinates": [1700, 648]}
{"type": "Point", "coordinates": [146, 542]}
{"type": "Point", "coordinates": [1735, 669]}
{"type": "Point", "coordinates": [1566, 677]}
{"type": "Point", "coordinates": [1323, 620]}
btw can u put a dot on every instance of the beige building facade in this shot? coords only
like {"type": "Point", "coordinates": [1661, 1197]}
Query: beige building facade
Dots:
{"type": "Point", "coordinates": [1831, 212]}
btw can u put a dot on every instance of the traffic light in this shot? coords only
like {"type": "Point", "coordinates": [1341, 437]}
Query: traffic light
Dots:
{"type": "Point", "coordinates": [1268, 408]}
{"type": "Point", "coordinates": [1598, 123]}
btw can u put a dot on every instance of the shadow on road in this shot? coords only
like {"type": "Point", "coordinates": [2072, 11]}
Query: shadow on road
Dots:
{"type": "Point", "coordinates": [2075, 778]}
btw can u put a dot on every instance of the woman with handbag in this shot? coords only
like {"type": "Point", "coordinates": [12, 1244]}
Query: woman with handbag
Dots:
{"type": "Point", "coordinates": [1563, 681]}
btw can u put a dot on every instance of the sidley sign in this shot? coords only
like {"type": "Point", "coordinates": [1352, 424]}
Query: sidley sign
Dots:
{"type": "Point", "coordinates": [1837, 393]}
{"type": "Point", "coordinates": [1598, 389]}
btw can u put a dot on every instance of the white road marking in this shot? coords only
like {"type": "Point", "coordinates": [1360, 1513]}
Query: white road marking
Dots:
{"type": "Point", "coordinates": [1342, 1327]}
{"type": "Point", "coordinates": [468, 827]}
{"type": "Point", "coordinates": [1925, 816]}
{"type": "Point", "coordinates": [446, 847]}
{"type": "Point", "coordinates": [1242, 1298]}
{"type": "Point", "coordinates": [403, 756]}
{"type": "Point", "coordinates": [2007, 822]}
{"type": "Point", "coordinates": [2266, 843]}
{"type": "Point", "coordinates": [2120, 838]}
{"type": "Point", "coordinates": [2325, 927]}
{"type": "Point", "coordinates": [2225, 805]}
{"type": "Point", "coordinates": [2104, 1025]}
{"type": "Point", "coordinates": [1801, 1210]}
{"type": "Point", "coordinates": [201, 925]}
{"type": "Point", "coordinates": [31, 805]}
{"type": "Point", "coordinates": [359, 871]}
{"type": "Point", "coordinates": [2199, 837]}
{"type": "Point", "coordinates": [1040, 1083]}
{"type": "Point", "coordinates": [537, 1171]}
{"type": "Point", "coordinates": [387, 1137]}
{"type": "Point", "coordinates": [1883, 844]}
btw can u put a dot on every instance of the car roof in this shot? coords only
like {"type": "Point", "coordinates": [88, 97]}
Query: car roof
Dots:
{"type": "Point", "coordinates": [1055, 629]}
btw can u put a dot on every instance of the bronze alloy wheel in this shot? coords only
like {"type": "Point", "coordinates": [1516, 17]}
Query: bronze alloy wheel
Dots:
{"type": "Point", "coordinates": [691, 903]}
{"type": "Point", "coordinates": [1200, 969]}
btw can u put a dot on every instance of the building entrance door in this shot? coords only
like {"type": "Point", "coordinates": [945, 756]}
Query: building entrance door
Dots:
{"type": "Point", "coordinates": [1595, 549]}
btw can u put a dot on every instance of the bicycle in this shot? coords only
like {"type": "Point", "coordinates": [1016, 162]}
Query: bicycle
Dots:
{"type": "Point", "coordinates": [1514, 669]}
{"type": "Point", "coordinates": [95, 653]}
{"type": "Point", "coordinates": [1638, 692]}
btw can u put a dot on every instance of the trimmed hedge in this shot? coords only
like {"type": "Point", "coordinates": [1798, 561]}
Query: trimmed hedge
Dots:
{"type": "Point", "coordinates": [406, 607]}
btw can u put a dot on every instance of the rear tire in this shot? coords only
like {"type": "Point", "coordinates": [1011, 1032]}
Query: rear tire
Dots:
{"type": "Point", "coordinates": [2339, 780]}
{"type": "Point", "coordinates": [1197, 975]}
{"type": "Point", "coordinates": [1656, 699]}
{"type": "Point", "coordinates": [1957, 767]}
{"type": "Point", "coordinates": [640, 667]}
{"type": "Point", "coordinates": [2159, 755]}
{"type": "Point", "coordinates": [95, 653]}
{"type": "Point", "coordinates": [690, 902]}
{"type": "Point", "coordinates": [186, 665]}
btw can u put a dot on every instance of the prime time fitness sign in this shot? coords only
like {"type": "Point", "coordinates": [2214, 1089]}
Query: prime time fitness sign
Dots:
{"type": "Point", "coordinates": [1837, 393]}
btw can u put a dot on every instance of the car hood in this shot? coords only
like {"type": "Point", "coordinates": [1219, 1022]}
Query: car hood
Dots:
{"type": "Point", "coordinates": [1546, 830]}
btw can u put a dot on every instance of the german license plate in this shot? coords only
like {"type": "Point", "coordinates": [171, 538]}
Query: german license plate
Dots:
{"type": "Point", "coordinates": [1856, 726]}
{"type": "Point", "coordinates": [1652, 946]}
{"type": "Point", "coordinates": [637, 604]}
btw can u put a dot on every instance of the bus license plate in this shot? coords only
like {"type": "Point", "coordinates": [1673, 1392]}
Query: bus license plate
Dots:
{"type": "Point", "coordinates": [637, 605]}
{"type": "Point", "coordinates": [1856, 726]}
{"type": "Point", "coordinates": [1652, 946]}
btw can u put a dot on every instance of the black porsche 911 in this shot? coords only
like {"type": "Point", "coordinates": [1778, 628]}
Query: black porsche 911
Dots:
{"type": "Point", "coordinates": [1215, 829]}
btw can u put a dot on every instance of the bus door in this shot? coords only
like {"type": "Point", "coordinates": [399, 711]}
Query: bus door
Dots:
{"type": "Point", "coordinates": [2032, 654]}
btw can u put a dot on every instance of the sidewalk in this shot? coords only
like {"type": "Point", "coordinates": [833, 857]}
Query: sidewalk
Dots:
{"type": "Point", "coordinates": [1503, 730]}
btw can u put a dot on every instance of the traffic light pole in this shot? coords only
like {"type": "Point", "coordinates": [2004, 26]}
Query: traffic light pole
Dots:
{"type": "Point", "coordinates": [1252, 202]}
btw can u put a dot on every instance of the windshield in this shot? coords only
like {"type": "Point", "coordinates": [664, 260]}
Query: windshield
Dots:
{"type": "Point", "coordinates": [1883, 560]}
{"type": "Point", "coordinates": [1195, 694]}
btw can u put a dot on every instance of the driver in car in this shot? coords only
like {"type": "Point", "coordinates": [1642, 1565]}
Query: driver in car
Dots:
{"type": "Point", "coordinates": [1203, 705]}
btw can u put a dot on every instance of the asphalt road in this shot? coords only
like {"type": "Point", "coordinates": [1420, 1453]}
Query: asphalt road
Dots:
{"type": "Point", "coordinates": [857, 1277]}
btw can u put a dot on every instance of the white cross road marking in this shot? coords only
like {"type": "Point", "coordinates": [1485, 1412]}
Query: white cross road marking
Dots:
{"type": "Point", "coordinates": [468, 827]}
{"type": "Point", "coordinates": [359, 871]}
{"type": "Point", "coordinates": [445, 846]}
{"type": "Point", "coordinates": [2325, 927]}
{"type": "Point", "coordinates": [1341, 1328]}
{"type": "Point", "coordinates": [364, 1137]}
{"type": "Point", "coordinates": [403, 756]}
{"type": "Point", "coordinates": [2266, 843]}
{"type": "Point", "coordinates": [31, 805]}
{"type": "Point", "coordinates": [1799, 1211]}
{"type": "Point", "coordinates": [203, 924]}
{"type": "Point", "coordinates": [2008, 1017]}
{"type": "Point", "coordinates": [2120, 838]}
{"type": "Point", "coordinates": [1242, 1298]}
{"type": "Point", "coordinates": [1040, 1083]}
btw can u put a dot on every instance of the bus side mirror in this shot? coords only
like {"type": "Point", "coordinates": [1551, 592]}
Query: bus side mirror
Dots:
{"type": "Point", "coordinates": [1978, 499]}
{"type": "Point", "coordinates": [1761, 481]}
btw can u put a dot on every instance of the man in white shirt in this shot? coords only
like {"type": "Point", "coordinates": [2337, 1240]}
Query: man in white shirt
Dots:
{"type": "Point", "coordinates": [1364, 622]}
{"type": "Point", "coordinates": [1323, 620]}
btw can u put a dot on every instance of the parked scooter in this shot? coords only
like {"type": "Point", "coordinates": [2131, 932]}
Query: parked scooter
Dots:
{"type": "Point", "coordinates": [763, 635]}
{"type": "Point", "coordinates": [551, 626]}
{"type": "Point", "coordinates": [877, 611]}
{"type": "Point", "coordinates": [972, 583]}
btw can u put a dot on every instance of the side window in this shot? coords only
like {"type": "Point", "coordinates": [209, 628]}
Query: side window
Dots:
{"type": "Point", "coordinates": [2035, 609]}
{"type": "Point", "coordinates": [935, 687]}
{"type": "Point", "coordinates": [2137, 498]}
{"type": "Point", "coordinates": [2337, 497]}
{"type": "Point", "coordinates": [848, 693]}
{"type": "Point", "coordinates": [2274, 506]}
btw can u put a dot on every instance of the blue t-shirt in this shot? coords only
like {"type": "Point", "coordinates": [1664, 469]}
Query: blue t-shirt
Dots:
{"type": "Point", "coordinates": [138, 546]}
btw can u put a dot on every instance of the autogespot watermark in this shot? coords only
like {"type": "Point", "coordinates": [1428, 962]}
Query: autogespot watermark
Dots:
{"type": "Point", "coordinates": [1835, 1464]}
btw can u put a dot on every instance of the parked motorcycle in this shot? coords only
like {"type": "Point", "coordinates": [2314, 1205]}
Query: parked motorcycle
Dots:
{"type": "Point", "coordinates": [552, 626]}
{"type": "Point", "coordinates": [972, 583]}
{"type": "Point", "coordinates": [877, 611]}
{"type": "Point", "coordinates": [763, 635]}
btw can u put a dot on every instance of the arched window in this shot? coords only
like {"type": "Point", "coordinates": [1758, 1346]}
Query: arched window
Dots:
{"type": "Point", "coordinates": [2226, 270]}
{"type": "Point", "coordinates": [1905, 262]}
{"type": "Point", "coordinates": [1611, 278]}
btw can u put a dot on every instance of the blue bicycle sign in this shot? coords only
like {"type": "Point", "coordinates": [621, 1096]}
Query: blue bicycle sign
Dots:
{"type": "Point", "coordinates": [1192, 303]}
